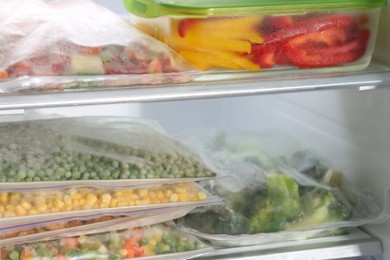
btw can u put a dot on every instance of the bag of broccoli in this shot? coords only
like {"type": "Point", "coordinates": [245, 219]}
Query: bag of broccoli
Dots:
{"type": "Point", "coordinates": [273, 193]}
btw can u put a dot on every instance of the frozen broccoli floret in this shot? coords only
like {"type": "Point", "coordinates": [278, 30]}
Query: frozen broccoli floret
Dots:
{"type": "Point", "coordinates": [321, 206]}
{"type": "Point", "coordinates": [280, 206]}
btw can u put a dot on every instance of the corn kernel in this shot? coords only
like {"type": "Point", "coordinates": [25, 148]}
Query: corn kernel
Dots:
{"type": "Point", "coordinates": [26, 205]}
{"type": "Point", "coordinates": [55, 210]}
{"type": "Point", "coordinates": [10, 207]}
{"type": "Point", "coordinates": [168, 193]}
{"type": "Point", "coordinates": [202, 196]}
{"type": "Point", "coordinates": [183, 197]}
{"type": "Point", "coordinates": [106, 198]}
{"type": "Point", "coordinates": [2, 209]}
{"type": "Point", "coordinates": [91, 199]}
{"type": "Point", "coordinates": [123, 253]}
{"type": "Point", "coordinates": [180, 189]}
{"type": "Point", "coordinates": [82, 202]}
{"type": "Point", "coordinates": [41, 207]}
{"type": "Point", "coordinates": [174, 197]}
{"type": "Point", "coordinates": [58, 204]}
{"type": "Point", "coordinates": [152, 194]}
{"type": "Point", "coordinates": [113, 203]}
{"type": "Point", "coordinates": [20, 211]}
{"type": "Point", "coordinates": [160, 195]}
{"type": "Point", "coordinates": [4, 197]}
{"type": "Point", "coordinates": [135, 197]}
{"type": "Point", "coordinates": [152, 242]}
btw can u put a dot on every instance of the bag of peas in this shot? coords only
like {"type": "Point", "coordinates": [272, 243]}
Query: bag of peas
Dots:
{"type": "Point", "coordinates": [79, 38]}
{"type": "Point", "coordinates": [98, 150]}
{"type": "Point", "coordinates": [160, 241]}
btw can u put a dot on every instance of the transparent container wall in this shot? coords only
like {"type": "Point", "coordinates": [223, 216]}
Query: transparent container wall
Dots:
{"type": "Point", "coordinates": [326, 41]}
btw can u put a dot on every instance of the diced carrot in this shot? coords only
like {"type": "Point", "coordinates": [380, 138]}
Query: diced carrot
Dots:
{"type": "Point", "coordinates": [139, 251]}
{"type": "Point", "coordinates": [72, 242]}
{"type": "Point", "coordinates": [3, 74]}
{"type": "Point", "coordinates": [60, 257]}
{"type": "Point", "coordinates": [90, 50]}
{"type": "Point", "coordinates": [130, 244]}
{"type": "Point", "coordinates": [130, 253]}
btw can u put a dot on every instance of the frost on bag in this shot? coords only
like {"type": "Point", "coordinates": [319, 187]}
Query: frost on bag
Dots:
{"type": "Point", "coordinates": [77, 38]}
{"type": "Point", "coordinates": [93, 149]}
{"type": "Point", "coordinates": [273, 195]}
{"type": "Point", "coordinates": [163, 241]}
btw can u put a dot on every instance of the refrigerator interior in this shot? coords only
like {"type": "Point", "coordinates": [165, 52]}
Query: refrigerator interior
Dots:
{"type": "Point", "coordinates": [350, 127]}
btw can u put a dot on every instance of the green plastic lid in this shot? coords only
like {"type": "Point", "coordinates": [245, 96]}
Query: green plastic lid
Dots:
{"type": "Point", "coordinates": [204, 8]}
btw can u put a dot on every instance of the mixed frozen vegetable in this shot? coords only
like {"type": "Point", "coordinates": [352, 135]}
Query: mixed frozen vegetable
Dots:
{"type": "Point", "coordinates": [50, 227]}
{"type": "Point", "coordinates": [55, 39]}
{"type": "Point", "coordinates": [144, 241]}
{"type": "Point", "coordinates": [35, 202]}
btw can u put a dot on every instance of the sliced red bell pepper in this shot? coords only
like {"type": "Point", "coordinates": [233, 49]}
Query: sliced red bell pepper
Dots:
{"type": "Point", "coordinates": [308, 26]}
{"type": "Point", "coordinates": [275, 23]}
{"type": "Point", "coordinates": [304, 56]}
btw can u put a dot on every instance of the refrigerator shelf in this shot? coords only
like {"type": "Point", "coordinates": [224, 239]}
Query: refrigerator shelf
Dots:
{"type": "Point", "coordinates": [207, 85]}
{"type": "Point", "coordinates": [356, 244]}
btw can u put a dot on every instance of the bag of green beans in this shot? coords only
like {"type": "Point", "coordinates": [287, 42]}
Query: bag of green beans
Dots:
{"type": "Point", "coordinates": [94, 148]}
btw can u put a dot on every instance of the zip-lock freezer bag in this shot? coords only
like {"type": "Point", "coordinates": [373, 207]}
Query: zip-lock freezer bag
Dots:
{"type": "Point", "coordinates": [93, 150]}
{"type": "Point", "coordinates": [31, 205]}
{"type": "Point", "coordinates": [160, 241]}
{"type": "Point", "coordinates": [77, 38]}
{"type": "Point", "coordinates": [273, 195]}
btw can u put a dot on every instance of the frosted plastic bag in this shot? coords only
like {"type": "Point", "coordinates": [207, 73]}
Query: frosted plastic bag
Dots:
{"type": "Point", "coordinates": [160, 241]}
{"type": "Point", "coordinates": [273, 197]}
{"type": "Point", "coordinates": [78, 37]}
{"type": "Point", "coordinates": [28, 205]}
{"type": "Point", "coordinates": [35, 231]}
{"type": "Point", "coordinates": [93, 150]}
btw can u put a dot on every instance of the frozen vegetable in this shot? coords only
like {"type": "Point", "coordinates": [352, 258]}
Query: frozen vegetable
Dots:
{"type": "Point", "coordinates": [56, 226]}
{"type": "Point", "coordinates": [93, 148]}
{"type": "Point", "coordinates": [35, 202]}
{"type": "Point", "coordinates": [160, 239]}
{"type": "Point", "coordinates": [55, 39]}
{"type": "Point", "coordinates": [271, 184]}
{"type": "Point", "coordinates": [282, 204]}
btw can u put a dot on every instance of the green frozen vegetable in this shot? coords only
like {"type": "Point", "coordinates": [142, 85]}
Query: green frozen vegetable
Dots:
{"type": "Point", "coordinates": [281, 205]}
{"type": "Point", "coordinates": [44, 150]}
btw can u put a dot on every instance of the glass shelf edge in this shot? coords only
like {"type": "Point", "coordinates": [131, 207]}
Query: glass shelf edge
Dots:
{"type": "Point", "coordinates": [375, 76]}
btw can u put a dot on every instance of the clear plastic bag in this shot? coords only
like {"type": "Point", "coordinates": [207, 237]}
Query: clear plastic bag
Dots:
{"type": "Point", "coordinates": [92, 149]}
{"type": "Point", "coordinates": [36, 231]}
{"type": "Point", "coordinates": [78, 38]}
{"type": "Point", "coordinates": [160, 241]}
{"type": "Point", "coordinates": [274, 194]}
{"type": "Point", "coordinates": [30, 206]}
